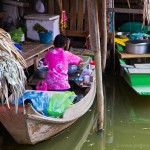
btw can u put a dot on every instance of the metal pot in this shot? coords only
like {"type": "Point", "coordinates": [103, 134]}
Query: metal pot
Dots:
{"type": "Point", "coordinates": [41, 72]}
{"type": "Point", "coordinates": [122, 35]}
{"type": "Point", "coordinates": [137, 46]}
{"type": "Point", "coordinates": [72, 69]}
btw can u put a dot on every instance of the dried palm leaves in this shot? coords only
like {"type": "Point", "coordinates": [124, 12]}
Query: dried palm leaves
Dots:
{"type": "Point", "coordinates": [7, 45]}
{"type": "Point", "coordinates": [146, 12]}
{"type": "Point", "coordinates": [12, 64]}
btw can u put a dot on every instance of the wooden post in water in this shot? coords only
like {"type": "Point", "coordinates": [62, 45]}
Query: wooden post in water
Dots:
{"type": "Point", "coordinates": [103, 31]}
{"type": "Point", "coordinates": [95, 46]}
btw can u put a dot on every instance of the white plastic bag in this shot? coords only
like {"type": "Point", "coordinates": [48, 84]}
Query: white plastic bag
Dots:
{"type": "Point", "coordinates": [40, 6]}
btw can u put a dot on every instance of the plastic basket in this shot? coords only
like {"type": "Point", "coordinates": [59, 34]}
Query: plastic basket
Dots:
{"type": "Point", "coordinates": [86, 60]}
{"type": "Point", "coordinates": [45, 37]}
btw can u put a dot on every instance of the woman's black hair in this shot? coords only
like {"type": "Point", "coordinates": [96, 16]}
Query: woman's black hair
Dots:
{"type": "Point", "coordinates": [60, 40]}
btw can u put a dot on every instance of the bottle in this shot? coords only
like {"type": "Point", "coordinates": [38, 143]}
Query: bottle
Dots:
{"type": "Point", "coordinates": [92, 63]}
{"type": "Point", "coordinates": [88, 71]}
{"type": "Point", "coordinates": [87, 75]}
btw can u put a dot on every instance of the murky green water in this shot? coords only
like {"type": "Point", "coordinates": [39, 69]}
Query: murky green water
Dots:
{"type": "Point", "coordinates": [126, 125]}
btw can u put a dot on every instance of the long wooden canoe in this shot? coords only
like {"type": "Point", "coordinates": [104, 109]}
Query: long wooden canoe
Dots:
{"type": "Point", "coordinates": [31, 127]}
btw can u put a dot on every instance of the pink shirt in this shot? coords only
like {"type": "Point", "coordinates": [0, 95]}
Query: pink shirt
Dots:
{"type": "Point", "coordinates": [58, 61]}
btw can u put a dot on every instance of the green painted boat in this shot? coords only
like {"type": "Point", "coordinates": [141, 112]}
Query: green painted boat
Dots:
{"type": "Point", "coordinates": [138, 80]}
{"type": "Point", "coordinates": [135, 71]}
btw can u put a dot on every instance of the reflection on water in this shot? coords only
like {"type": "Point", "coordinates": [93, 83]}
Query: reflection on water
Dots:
{"type": "Point", "coordinates": [128, 118]}
{"type": "Point", "coordinates": [126, 124]}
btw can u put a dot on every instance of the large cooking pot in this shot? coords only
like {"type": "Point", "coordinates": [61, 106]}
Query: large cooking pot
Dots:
{"type": "Point", "coordinates": [137, 46]}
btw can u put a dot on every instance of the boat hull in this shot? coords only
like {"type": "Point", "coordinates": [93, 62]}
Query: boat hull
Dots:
{"type": "Point", "coordinates": [27, 126]}
{"type": "Point", "coordinates": [28, 131]}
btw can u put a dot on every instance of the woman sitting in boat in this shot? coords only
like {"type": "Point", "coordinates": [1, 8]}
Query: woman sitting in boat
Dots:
{"type": "Point", "coordinates": [58, 60]}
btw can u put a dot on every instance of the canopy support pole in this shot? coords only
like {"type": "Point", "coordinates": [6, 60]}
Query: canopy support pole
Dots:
{"type": "Point", "coordinates": [95, 46]}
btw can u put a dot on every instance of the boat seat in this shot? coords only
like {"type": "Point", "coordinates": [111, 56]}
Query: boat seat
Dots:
{"type": "Point", "coordinates": [138, 71]}
{"type": "Point", "coordinates": [142, 66]}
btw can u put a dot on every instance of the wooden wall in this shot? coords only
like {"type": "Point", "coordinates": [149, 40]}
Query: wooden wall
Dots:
{"type": "Point", "coordinates": [77, 14]}
{"type": "Point", "coordinates": [76, 11]}
{"type": "Point", "coordinates": [77, 17]}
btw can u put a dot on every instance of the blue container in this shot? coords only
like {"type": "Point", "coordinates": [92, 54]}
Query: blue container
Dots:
{"type": "Point", "coordinates": [45, 37]}
{"type": "Point", "coordinates": [18, 46]}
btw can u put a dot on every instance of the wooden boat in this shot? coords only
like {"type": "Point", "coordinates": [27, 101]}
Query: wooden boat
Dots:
{"type": "Point", "coordinates": [136, 71]}
{"type": "Point", "coordinates": [31, 127]}
{"type": "Point", "coordinates": [72, 138]}
{"type": "Point", "coordinates": [137, 77]}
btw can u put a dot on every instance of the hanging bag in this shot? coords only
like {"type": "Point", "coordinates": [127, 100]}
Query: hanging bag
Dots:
{"type": "Point", "coordinates": [40, 6]}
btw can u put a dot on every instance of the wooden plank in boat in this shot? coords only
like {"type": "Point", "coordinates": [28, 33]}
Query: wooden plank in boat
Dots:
{"type": "Point", "coordinates": [123, 55]}
{"type": "Point", "coordinates": [142, 66]}
{"type": "Point", "coordinates": [138, 71]}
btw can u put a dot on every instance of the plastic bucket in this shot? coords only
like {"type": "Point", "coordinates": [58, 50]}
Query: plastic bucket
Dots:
{"type": "Point", "coordinates": [45, 37]}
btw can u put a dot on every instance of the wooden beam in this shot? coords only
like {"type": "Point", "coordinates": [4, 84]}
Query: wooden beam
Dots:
{"type": "Point", "coordinates": [51, 7]}
{"type": "Point", "coordinates": [73, 15]}
{"type": "Point", "coordinates": [60, 5]}
{"type": "Point", "coordinates": [16, 3]}
{"type": "Point", "coordinates": [76, 33]}
{"type": "Point", "coordinates": [125, 10]}
{"type": "Point", "coordinates": [95, 46]}
{"type": "Point", "coordinates": [80, 16]}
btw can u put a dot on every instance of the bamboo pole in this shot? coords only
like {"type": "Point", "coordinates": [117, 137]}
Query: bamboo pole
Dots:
{"type": "Point", "coordinates": [103, 31]}
{"type": "Point", "coordinates": [95, 46]}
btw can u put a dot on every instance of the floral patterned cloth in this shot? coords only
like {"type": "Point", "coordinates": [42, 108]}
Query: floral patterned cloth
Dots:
{"type": "Point", "coordinates": [58, 61]}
